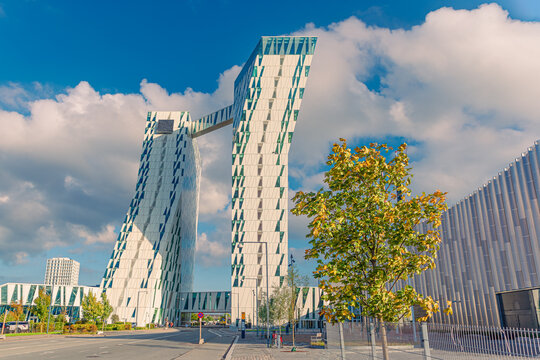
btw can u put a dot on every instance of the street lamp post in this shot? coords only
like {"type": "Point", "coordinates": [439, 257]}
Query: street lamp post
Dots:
{"type": "Point", "coordinates": [50, 307]}
{"type": "Point", "coordinates": [254, 299]}
{"type": "Point", "coordinates": [267, 289]}
{"type": "Point", "coordinates": [256, 304]}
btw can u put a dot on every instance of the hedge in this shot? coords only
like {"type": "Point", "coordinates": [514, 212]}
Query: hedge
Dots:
{"type": "Point", "coordinates": [80, 329]}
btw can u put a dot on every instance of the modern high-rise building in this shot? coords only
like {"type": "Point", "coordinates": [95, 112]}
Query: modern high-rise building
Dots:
{"type": "Point", "coordinates": [62, 271]}
{"type": "Point", "coordinates": [489, 259]}
{"type": "Point", "coordinates": [152, 262]}
{"type": "Point", "coordinates": [268, 93]}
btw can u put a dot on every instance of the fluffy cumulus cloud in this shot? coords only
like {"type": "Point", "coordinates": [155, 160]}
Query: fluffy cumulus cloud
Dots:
{"type": "Point", "coordinates": [68, 163]}
{"type": "Point", "coordinates": [462, 88]}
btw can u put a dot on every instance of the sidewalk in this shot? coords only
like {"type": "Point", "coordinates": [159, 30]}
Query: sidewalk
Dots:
{"type": "Point", "coordinates": [253, 348]}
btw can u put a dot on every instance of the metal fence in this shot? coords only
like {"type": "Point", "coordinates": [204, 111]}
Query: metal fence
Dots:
{"type": "Point", "coordinates": [454, 341]}
{"type": "Point", "coordinates": [408, 341]}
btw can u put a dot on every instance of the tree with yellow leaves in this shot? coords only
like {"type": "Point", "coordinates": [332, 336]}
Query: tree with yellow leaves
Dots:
{"type": "Point", "coordinates": [363, 234]}
{"type": "Point", "coordinates": [18, 312]}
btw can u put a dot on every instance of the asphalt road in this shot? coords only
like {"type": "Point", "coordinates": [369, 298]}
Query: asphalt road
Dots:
{"type": "Point", "coordinates": [156, 344]}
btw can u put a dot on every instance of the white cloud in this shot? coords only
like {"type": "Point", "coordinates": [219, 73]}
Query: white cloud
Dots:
{"type": "Point", "coordinates": [462, 87]}
{"type": "Point", "coordinates": [212, 253]}
{"type": "Point", "coordinates": [107, 235]}
{"type": "Point", "coordinates": [21, 258]}
{"type": "Point", "coordinates": [73, 159]}
{"type": "Point", "coordinates": [71, 183]}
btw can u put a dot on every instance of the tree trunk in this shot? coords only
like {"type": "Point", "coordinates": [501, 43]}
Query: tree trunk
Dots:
{"type": "Point", "coordinates": [4, 322]}
{"type": "Point", "coordinates": [384, 341]}
{"type": "Point", "coordinates": [293, 339]}
{"type": "Point", "coordinates": [17, 326]}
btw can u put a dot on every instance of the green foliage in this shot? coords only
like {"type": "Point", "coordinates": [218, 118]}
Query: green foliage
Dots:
{"type": "Point", "coordinates": [11, 316]}
{"type": "Point", "coordinates": [115, 318]}
{"type": "Point", "coordinates": [18, 310]}
{"type": "Point", "coordinates": [293, 282]}
{"type": "Point", "coordinates": [262, 310]}
{"type": "Point", "coordinates": [61, 318]}
{"type": "Point", "coordinates": [41, 307]}
{"type": "Point", "coordinates": [106, 308]}
{"type": "Point", "coordinates": [80, 329]}
{"type": "Point", "coordinates": [279, 305]}
{"type": "Point", "coordinates": [365, 239]}
{"type": "Point", "coordinates": [92, 308]}
{"type": "Point", "coordinates": [118, 326]}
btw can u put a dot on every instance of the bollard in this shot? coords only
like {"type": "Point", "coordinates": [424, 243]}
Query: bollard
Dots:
{"type": "Point", "coordinates": [425, 342]}
{"type": "Point", "coordinates": [372, 340]}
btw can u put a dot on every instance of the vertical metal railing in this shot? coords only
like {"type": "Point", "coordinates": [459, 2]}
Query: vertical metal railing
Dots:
{"type": "Point", "coordinates": [495, 342]}
{"type": "Point", "coordinates": [362, 340]}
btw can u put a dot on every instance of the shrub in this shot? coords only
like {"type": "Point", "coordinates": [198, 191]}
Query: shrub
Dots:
{"type": "Point", "coordinates": [80, 329]}
{"type": "Point", "coordinates": [118, 326]}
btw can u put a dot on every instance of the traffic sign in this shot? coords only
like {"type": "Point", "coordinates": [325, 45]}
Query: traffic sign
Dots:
{"type": "Point", "coordinates": [200, 315]}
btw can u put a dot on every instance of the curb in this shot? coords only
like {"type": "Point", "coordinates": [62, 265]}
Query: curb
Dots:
{"type": "Point", "coordinates": [230, 350]}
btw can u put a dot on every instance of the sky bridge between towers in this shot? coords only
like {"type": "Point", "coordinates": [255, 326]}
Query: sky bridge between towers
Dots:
{"type": "Point", "coordinates": [208, 302]}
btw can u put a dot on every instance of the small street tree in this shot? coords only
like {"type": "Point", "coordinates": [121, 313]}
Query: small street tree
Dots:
{"type": "Point", "coordinates": [364, 236]}
{"type": "Point", "coordinates": [62, 317]}
{"type": "Point", "coordinates": [41, 307]}
{"type": "Point", "coordinates": [106, 309]}
{"type": "Point", "coordinates": [115, 318]}
{"type": "Point", "coordinates": [279, 305]}
{"type": "Point", "coordinates": [266, 318]}
{"type": "Point", "coordinates": [91, 307]}
{"type": "Point", "coordinates": [18, 312]}
{"type": "Point", "coordinates": [294, 282]}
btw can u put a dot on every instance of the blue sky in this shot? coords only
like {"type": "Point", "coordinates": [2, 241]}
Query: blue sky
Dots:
{"type": "Point", "coordinates": [76, 79]}
{"type": "Point", "coordinates": [115, 44]}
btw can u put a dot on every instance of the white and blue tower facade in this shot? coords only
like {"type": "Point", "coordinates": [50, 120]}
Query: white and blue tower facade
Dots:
{"type": "Point", "coordinates": [152, 262]}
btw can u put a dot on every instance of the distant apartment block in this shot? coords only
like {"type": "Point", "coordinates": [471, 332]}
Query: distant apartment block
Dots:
{"type": "Point", "coordinates": [65, 298]}
{"type": "Point", "coordinates": [489, 259]}
{"type": "Point", "coordinates": [62, 271]}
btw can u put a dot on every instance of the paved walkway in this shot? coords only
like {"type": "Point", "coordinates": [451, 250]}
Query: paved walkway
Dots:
{"type": "Point", "coordinates": [252, 348]}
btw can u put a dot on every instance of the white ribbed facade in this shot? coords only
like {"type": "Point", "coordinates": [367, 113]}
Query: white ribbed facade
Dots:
{"type": "Point", "coordinates": [491, 246]}
{"type": "Point", "coordinates": [62, 271]}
